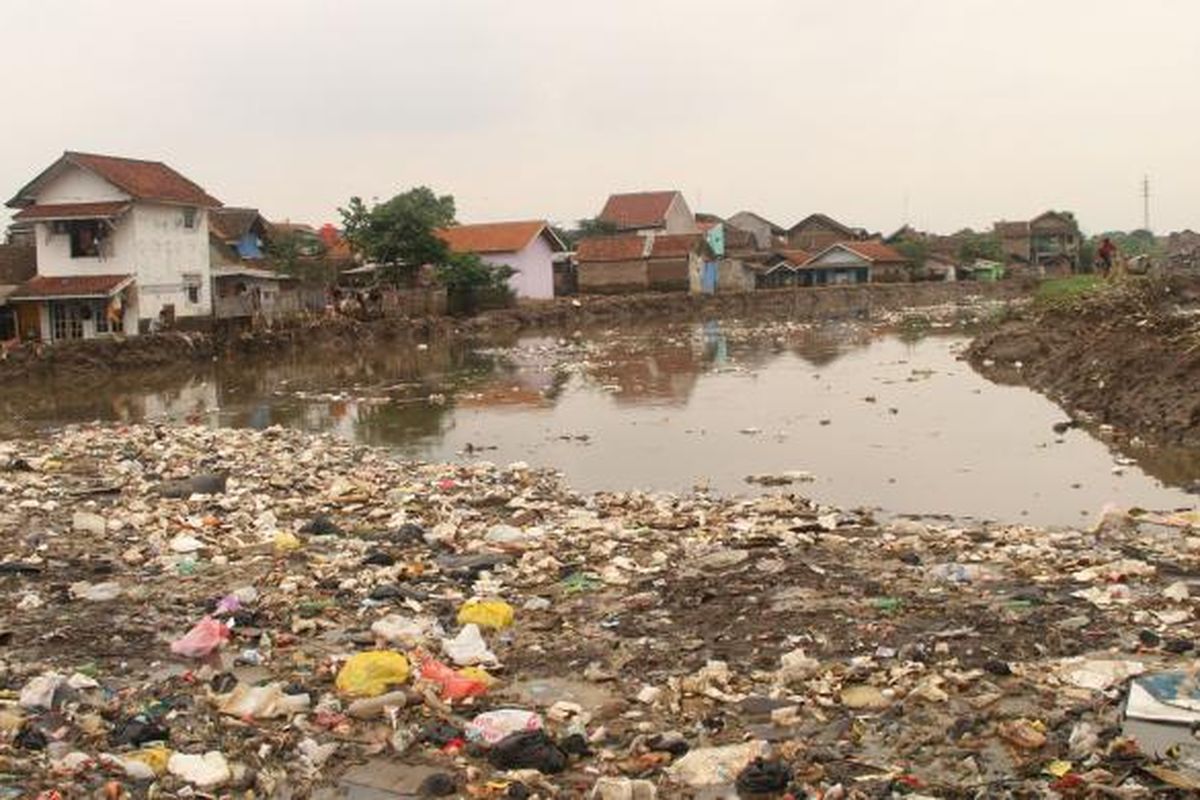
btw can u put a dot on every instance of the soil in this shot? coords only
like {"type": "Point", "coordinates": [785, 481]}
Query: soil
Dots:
{"type": "Point", "coordinates": [1127, 356]}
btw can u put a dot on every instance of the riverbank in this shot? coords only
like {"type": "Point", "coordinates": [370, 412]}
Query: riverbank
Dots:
{"type": "Point", "coordinates": [643, 644]}
{"type": "Point", "coordinates": [1127, 356]}
{"type": "Point", "coordinates": [314, 333]}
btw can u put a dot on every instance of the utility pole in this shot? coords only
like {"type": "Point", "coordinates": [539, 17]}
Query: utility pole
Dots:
{"type": "Point", "coordinates": [1146, 202]}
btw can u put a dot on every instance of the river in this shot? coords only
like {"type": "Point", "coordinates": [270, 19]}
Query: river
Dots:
{"type": "Point", "coordinates": [875, 419]}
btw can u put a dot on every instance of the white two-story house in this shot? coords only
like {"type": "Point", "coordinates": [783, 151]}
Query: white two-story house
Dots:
{"type": "Point", "coordinates": [122, 246]}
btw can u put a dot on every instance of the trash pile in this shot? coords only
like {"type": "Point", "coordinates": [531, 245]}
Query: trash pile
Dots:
{"type": "Point", "coordinates": [197, 612]}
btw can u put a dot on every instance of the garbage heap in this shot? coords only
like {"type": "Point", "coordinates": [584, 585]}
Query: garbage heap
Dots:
{"type": "Point", "coordinates": [197, 612]}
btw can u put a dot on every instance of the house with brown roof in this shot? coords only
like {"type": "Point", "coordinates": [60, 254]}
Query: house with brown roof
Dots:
{"type": "Point", "coordinates": [818, 231]}
{"type": "Point", "coordinates": [649, 212]}
{"type": "Point", "coordinates": [122, 244]}
{"type": "Point", "coordinates": [633, 263]}
{"type": "Point", "coordinates": [528, 247]}
{"type": "Point", "coordinates": [1049, 240]}
{"type": "Point", "coordinates": [863, 261]}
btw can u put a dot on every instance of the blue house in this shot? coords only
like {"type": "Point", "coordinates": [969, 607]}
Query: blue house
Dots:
{"type": "Point", "coordinates": [236, 234]}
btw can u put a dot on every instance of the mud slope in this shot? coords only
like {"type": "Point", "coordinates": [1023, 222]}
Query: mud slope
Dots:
{"type": "Point", "coordinates": [1128, 356]}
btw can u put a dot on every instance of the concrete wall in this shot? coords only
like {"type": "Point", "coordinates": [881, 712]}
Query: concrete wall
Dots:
{"type": "Point", "coordinates": [77, 185]}
{"type": "Point", "coordinates": [605, 277]}
{"type": "Point", "coordinates": [815, 236]}
{"type": "Point", "coordinates": [164, 251]}
{"type": "Point", "coordinates": [680, 218]}
{"type": "Point", "coordinates": [733, 276]}
{"type": "Point", "coordinates": [760, 230]}
{"type": "Point", "coordinates": [671, 274]}
{"type": "Point", "coordinates": [535, 269]}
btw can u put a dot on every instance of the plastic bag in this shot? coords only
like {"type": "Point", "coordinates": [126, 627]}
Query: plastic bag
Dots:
{"type": "Point", "coordinates": [202, 640]}
{"type": "Point", "coordinates": [262, 702]}
{"type": "Point", "coordinates": [372, 673]}
{"type": "Point", "coordinates": [468, 648]}
{"type": "Point", "coordinates": [486, 613]}
{"type": "Point", "coordinates": [455, 685]}
{"type": "Point", "coordinates": [493, 726]}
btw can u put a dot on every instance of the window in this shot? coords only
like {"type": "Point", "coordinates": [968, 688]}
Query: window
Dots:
{"type": "Point", "coordinates": [189, 218]}
{"type": "Point", "coordinates": [191, 287]}
{"type": "Point", "coordinates": [86, 236]}
{"type": "Point", "coordinates": [66, 321]}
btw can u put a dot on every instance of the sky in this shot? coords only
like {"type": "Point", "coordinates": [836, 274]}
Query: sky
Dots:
{"type": "Point", "coordinates": [937, 113]}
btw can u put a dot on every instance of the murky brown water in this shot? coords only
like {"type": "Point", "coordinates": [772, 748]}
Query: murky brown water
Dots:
{"type": "Point", "coordinates": [876, 419]}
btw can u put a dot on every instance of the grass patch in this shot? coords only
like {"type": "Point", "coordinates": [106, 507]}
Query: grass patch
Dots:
{"type": "Point", "coordinates": [1065, 290]}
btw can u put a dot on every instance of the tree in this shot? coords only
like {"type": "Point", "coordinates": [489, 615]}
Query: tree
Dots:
{"type": "Point", "coordinates": [981, 245]}
{"type": "Point", "coordinates": [461, 272]}
{"type": "Point", "coordinates": [915, 251]}
{"type": "Point", "coordinates": [298, 255]}
{"type": "Point", "coordinates": [400, 231]}
{"type": "Point", "coordinates": [595, 226]}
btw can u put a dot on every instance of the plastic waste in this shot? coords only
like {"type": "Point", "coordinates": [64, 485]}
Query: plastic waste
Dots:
{"type": "Point", "coordinates": [623, 789]}
{"type": "Point", "coordinates": [528, 750]}
{"type": "Point", "coordinates": [372, 673]}
{"type": "Point", "coordinates": [454, 685]}
{"type": "Point", "coordinates": [287, 542]}
{"type": "Point", "coordinates": [146, 764]}
{"type": "Point", "coordinates": [406, 631]}
{"type": "Point", "coordinates": [371, 707]}
{"type": "Point", "coordinates": [205, 638]}
{"type": "Point", "coordinates": [764, 777]}
{"type": "Point", "coordinates": [486, 613]}
{"type": "Point", "coordinates": [716, 766]}
{"type": "Point", "coordinates": [38, 693]}
{"type": "Point", "coordinates": [468, 648]}
{"type": "Point", "coordinates": [206, 771]}
{"type": "Point", "coordinates": [96, 592]}
{"type": "Point", "coordinates": [262, 702]}
{"type": "Point", "coordinates": [493, 726]}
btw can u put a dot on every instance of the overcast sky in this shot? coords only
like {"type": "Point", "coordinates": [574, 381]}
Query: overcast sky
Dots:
{"type": "Point", "coordinates": [960, 111]}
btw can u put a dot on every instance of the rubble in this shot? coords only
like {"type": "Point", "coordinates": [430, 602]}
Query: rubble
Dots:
{"type": "Point", "coordinates": [616, 645]}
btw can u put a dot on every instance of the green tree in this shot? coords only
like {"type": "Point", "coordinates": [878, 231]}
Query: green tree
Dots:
{"type": "Point", "coordinates": [981, 245]}
{"type": "Point", "coordinates": [595, 226]}
{"type": "Point", "coordinates": [400, 231]}
{"type": "Point", "coordinates": [465, 271]}
{"type": "Point", "coordinates": [915, 251]}
{"type": "Point", "coordinates": [299, 255]}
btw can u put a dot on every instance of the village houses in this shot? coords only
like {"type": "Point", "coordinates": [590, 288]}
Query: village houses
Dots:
{"type": "Point", "coordinates": [121, 244]}
{"type": "Point", "coordinates": [529, 248]}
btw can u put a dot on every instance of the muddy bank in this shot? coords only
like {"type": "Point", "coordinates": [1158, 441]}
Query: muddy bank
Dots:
{"type": "Point", "coordinates": [228, 341]}
{"type": "Point", "coordinates": [1127, 356]}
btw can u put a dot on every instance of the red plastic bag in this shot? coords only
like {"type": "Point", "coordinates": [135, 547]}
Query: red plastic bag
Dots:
{"type": "Point", "coordinates": [454, 686]}
{"type": "Point", "coordinates": [202, 640]}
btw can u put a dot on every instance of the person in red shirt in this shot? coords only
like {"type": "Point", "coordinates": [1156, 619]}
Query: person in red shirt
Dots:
{"type": "Point", "coordinates": [1106, 252]}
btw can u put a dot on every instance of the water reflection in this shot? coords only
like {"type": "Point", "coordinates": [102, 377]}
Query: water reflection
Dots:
{"type": "Point", "coordinates": [888, 420]}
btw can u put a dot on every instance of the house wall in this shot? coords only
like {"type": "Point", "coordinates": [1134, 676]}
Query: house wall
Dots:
{"type": "Point", "coordinates": [716, 238]}
{"type": "Point", "coordinates": [679, 218]}
{"type": "Point", "coordinates": [732, 276]}
{"type": "Point", "coordinates": [54, 252]}
{"type": "Point", "coordinates": [76, 185]}
{"type": "Point", "coordinates": [612, 277]}
{"type": "Point", "coordinates": [534, 278]}
{"type": "Point", "coordinates": [164, 250]}
{"type": "Point", "coordinates": [760, 230]}
{"type": "Point", "coordinates": [671, 274]}
{"type": "Point", "coordinates": [815, 235]}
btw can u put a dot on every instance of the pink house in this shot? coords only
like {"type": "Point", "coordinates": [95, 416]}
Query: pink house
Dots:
{"type": "Point", "coordinates": [527, 247]}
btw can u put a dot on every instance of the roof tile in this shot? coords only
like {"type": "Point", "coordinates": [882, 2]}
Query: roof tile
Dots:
{"type": "Point", "coordinates": [492, 237]}
{"type": "Point", "coordinates": [638, 209]}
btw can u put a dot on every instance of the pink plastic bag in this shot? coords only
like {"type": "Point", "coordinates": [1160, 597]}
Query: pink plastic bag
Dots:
{"type": "Point", "coordinates": [202, 640]}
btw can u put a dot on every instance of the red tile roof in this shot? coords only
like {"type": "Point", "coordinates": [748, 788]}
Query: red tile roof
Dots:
{"type": "Point", "coordinates": [796, 257]}
{"type": "Point", "coordinates": [492, 237]}
{"type": "Point", "coordinates": [638, 209]}
{"type": "Point", "coordinates": [676, 245]}
{"type": "Point", "coordinates": [611, 248]}
{"type": "Point", "coordinates": [145, 180]}
{"type": "Point", "coordinates": [874, 250]}
{"type": "Point", "coordinates": [72, 211]}
{"type": "Point", "coordinates": [43, 287]}
{"type": "Point", "coordinates": [142, 180]}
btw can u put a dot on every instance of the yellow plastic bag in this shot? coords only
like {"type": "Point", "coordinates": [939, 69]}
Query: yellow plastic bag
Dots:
{"type": "Point", "coordinates": [486, 613]}
{"type": "Point", "coordinates": [155, 758]}
{"type": "Point", "coordinates": [372, 673]}
{"type": "Point", "coordinates": [477, 674]}
{"type": "Point", "coordinates": [287, 542]}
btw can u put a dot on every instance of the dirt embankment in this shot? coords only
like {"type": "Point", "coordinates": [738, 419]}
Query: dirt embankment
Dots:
{"type": "Point", "coordinates": [98, 355]}
{"type": "Point", "coordinates": [1127, 356]}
